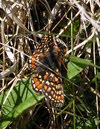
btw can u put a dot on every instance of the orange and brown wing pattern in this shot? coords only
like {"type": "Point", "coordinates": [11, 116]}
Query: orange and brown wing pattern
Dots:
{"type": "Point", "coordinates": [37, 83]}
{"type": "Point", "coordinates": [46, 81]}
{"type": "Point", "coordinates": [40, 52]}
{"type": "Point", "coordinates": [50, 85]}
{"type": "Point", "coordinates": [53, 89]}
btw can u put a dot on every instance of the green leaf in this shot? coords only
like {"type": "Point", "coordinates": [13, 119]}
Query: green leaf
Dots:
{"type": "Point", "coordinates": [83, 62]}
{"type": "Point", "coordinates": [96, 77]}
{"type": "Point", "coordinates": [21, 98]}
{"type": "Point", "coordinates": [73, 70]}
{"type": "Point", "coordinates": [76, 65]}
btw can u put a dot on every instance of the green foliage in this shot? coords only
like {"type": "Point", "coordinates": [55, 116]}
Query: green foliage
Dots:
{"type": "Point", "coordinates": [21, 98]}
{"type": "Point", "coordinates": [73, 70]}
{"type": "Point", "coordinates": [76, 65]}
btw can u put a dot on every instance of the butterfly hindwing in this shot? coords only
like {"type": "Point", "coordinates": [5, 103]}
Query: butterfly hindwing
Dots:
{"type": "Point", "coordinates": [53, 89]}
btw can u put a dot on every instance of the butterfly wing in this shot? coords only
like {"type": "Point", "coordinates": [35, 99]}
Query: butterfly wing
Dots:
{"type": "Point", "coordinates": [46, 81]}
{"type": "Point", "coordinates": [53, 90]}
{"type": "Point", "coordinates": [40, 53]}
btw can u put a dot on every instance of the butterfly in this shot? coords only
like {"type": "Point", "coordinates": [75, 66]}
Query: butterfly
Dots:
{"type": "Point", "coordinates": [46, 63]}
